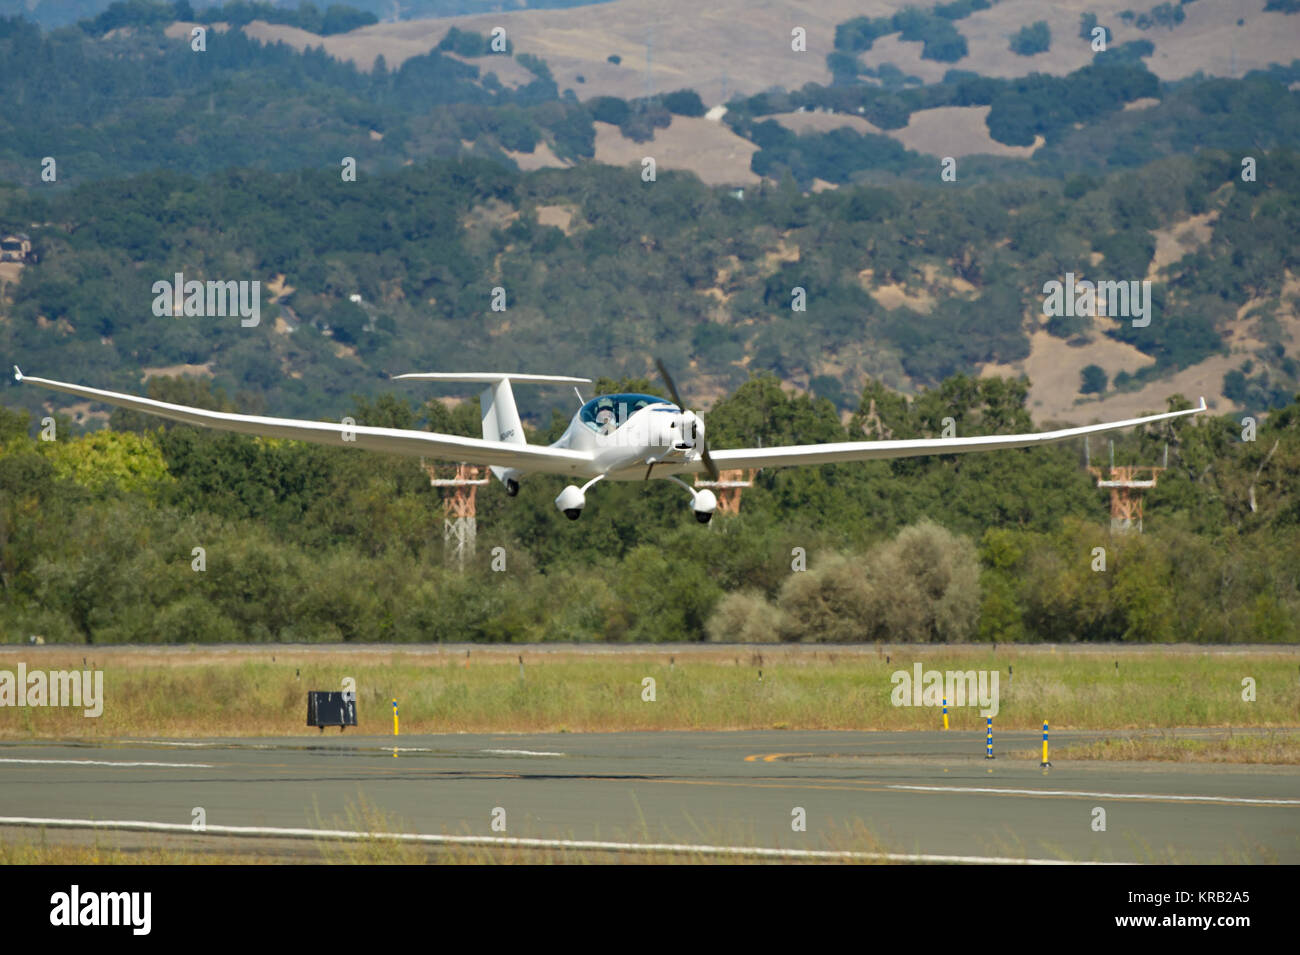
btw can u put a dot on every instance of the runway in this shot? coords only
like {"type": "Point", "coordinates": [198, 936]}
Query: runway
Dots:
{"type": "Point", "coordinates": [925, 796]}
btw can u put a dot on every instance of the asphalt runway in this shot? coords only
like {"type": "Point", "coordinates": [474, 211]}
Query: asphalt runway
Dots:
{"type": "Point", "coordinates": [928, 794]}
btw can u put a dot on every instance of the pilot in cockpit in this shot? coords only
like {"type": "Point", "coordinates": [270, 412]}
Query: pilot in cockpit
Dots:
{"type": "Point", "coordinates": [605, 420]}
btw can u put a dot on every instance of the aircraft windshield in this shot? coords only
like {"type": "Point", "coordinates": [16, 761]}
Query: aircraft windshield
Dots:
{"type": "Point", "coordinates": [607, 412]}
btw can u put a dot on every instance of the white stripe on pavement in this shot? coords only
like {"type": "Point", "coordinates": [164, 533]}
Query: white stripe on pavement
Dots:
{"type": "Point", "coordinates": [517, 752]}
{"type": "Point", "coordinates": [519, 843]}
{"type": "Point", "coordinates": [1072, 792]}
{"type": "Point", "coordinates": [104, 762]}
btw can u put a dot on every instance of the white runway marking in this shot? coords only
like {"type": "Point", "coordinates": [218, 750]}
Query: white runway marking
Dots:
{"type": "Point", "coordinates": [105, 762]}
{"type": "Point", "coordinates": [170, 742]}
{"type": "Point", "coordinates": [504, 842]}
{"type": "Point", "coordinates": [517, 752]}
{"type": "Point", "coordinates": [1071, 792]}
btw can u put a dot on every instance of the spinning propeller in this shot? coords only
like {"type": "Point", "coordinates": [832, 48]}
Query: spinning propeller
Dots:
{"type": "Point", "coordinates": [701, 442]}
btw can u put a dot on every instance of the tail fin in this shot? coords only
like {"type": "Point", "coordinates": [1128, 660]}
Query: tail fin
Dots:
{"type": "Point", "coordinates": [497, 402]}
{"type": "Point", "coordinates": [500, 416]}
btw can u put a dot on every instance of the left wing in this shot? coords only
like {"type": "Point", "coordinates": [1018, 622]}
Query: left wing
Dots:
{"type": "Point", "coordinates": [876, 450]}
{"type": "Point", "coordinates": [446, 447]}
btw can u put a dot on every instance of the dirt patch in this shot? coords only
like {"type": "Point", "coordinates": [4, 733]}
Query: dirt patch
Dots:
{"type": "Point", "coordinates": [935, 277]}
{"type": "Point", "coordinates": [819, 122]}
{"type": "Point", "coordinates": [269, 33]}
{"type": "Point", "coordinates": [1144, 102]}
{"type": "Point", "coordinates": [278, 288]}
{"type": "Point", "coordinates": [710, 150]}
{"type": "Point", "coordinates": [180, 29]}
{"type": "Point", "coordinates": [892, 296]}
{"type": "Point", "coordinates": [486, 216]}
{"type": "Point", "coordinates": [1177, 240]}
{"type": "Point", "coordinates": [542, 157]}
{"type": "Point", "coordinates": [174, 371]}
{"type": "Point", "coordinates": [1205, 378]}
{"type": "Point", "coordinates": [775, 258]}
{"type": "Point", "coordinates": [83, 412]}
{"type": "Point", "coordinates": [1054, 367]}
{"type": "Point", "coordinates": [956, 131]}
{"type": "Point", "coordinates": [559, 216]}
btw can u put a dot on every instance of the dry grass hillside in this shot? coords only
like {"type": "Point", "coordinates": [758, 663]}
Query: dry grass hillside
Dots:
{"type": "Point", "coordinates": [743, 46]}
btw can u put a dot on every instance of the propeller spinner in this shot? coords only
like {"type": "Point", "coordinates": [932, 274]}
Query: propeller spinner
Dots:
{"type": "Point", "coordinates": [691, 418]}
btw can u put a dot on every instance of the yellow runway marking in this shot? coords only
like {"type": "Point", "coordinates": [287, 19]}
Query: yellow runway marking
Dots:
{"type": "Point", "coordinates": [773, 757]}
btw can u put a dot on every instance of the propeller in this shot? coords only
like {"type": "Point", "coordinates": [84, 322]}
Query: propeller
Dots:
{"type": "Point", "coordinates": [677, 400]}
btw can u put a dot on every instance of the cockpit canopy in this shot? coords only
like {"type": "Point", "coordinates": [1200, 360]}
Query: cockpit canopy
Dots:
{"type": "Point", "coordinates": [607, 412]}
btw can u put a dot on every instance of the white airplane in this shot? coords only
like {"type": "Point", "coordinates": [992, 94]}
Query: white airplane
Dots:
{"type": "Point", "coordinates": [621, 437]}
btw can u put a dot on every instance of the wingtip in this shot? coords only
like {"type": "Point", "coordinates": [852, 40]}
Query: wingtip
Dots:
{"type": "Point", "coordinates": [1203, 406]}
{"type": "Point", "coordinates": [18, 373]}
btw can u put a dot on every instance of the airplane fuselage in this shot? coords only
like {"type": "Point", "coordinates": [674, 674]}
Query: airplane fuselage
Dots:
{"type": "Point", "coordinates": [628, 435]}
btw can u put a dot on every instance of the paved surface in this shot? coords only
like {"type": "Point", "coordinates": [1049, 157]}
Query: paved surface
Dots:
{"type": "Point", "coordinates": [930, 793]}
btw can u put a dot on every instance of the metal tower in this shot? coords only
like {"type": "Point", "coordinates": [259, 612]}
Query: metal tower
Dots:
{"type": "Point", "coordinates": [728, 487]}
{"type": "Point", "coordinates": [1127, 484]}
{"type": "Point", "coordinates": [459, 525]}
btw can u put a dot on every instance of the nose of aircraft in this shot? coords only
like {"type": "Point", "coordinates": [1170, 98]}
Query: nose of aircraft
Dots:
{"type": "Point", "coordinates": [691, 429]}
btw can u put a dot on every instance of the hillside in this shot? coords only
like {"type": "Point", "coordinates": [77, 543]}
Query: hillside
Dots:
{"type": "Point", "coordinates": [742, 47]}
{"type": "Point", "coordinates": [908, 278]}
{"type": "Point", "coordinates": [601, 271]}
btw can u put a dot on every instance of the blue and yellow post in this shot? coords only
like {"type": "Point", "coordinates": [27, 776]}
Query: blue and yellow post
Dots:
{"type": "Point", "coordinates": [1045, 763]}
{"type": "Point", "coordinates": [988, 750]}
{"type": "Point", "coordinates": [945, 713]}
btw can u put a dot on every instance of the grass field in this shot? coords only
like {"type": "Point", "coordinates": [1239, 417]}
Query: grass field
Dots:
{"type": "Point", "coordinates": [251, 691]}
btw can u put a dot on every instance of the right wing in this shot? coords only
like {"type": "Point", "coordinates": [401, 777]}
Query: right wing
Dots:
{"type": "Point", "coordinates": [840, 451]}
{"type": "Point", "coordinates": [446, 447]}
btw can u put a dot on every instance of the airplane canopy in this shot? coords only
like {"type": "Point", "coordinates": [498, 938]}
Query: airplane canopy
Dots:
{"type": "Point", "coordinates": [604, 413]}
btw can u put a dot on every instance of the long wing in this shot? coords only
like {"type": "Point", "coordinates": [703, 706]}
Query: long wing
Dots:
{"type": "Point", "coordinates": [876, 450]}
{"type": "Point", "coordinates": [447, 447]}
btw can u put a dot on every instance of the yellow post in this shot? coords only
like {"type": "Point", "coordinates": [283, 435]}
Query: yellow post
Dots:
{"type": "Point", "coordinates": [394, 717]}
{"type": "Point", "coordinates": [1045, 762]}
{"type": "Point", "coordinates": [945, 714]}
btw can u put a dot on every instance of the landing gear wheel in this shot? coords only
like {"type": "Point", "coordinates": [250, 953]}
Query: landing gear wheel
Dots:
{"type": "Point", "coordinates": [512, 487]}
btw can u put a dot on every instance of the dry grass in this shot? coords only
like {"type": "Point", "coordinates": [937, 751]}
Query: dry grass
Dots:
{"type": "Point", "coordinates": [708, 149]}
{"type": "Point", "coordinates": [231, 692]}
{"type": "Point", "coordinates": [956, 131]}
{"type": "Point", "coordinates": [744, 45]}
